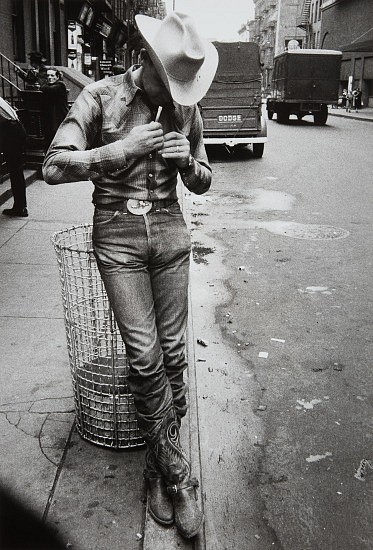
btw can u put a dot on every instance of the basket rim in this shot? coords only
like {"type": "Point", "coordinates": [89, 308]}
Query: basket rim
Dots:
{"type": "Point", "coordinates": [72, 247]}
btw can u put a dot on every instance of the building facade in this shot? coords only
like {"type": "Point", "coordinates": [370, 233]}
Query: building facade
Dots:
{"type": "Point", "coordinates": [310, 21]}
{"type": "Point", "coordinates": [84, 35]}
{"type": "Point", "coordinates": [274, 26]}
{"type": "Point", "coordinates": [347, 25]}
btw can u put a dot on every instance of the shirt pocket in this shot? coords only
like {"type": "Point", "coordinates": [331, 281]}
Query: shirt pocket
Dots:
{"type": "Point", "coordinates": [113, 117]}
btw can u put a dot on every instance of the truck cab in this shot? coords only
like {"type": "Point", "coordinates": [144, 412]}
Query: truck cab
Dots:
{"type": "Point", "coordinates": [304, 83]}
{"type": "Point", "coordinates": [232, 108]}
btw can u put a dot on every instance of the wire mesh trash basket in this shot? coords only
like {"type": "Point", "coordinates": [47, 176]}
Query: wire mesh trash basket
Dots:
{"type": "Point", "coordinates": [104, 407]}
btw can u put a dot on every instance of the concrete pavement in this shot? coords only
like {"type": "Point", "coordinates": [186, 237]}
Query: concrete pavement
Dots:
{"type": "Point", "coordinates": [94, 496]}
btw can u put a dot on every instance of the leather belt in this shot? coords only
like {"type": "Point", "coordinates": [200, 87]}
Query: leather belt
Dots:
{"type": "Point", "coordinates": [136, 206]}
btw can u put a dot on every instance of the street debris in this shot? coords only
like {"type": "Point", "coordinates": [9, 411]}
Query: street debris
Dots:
{"type": "Point", "coordinates": [202, 342]}
{"type": "Point", "coordinates": [315, 289]}
{"type": "Point", "coordinates": [316, 458]}
{"type": "Point", "coordinates": [278, 340]}
{"type": "Point", "coordinates": [361, 471]}
{"type": "Point", "coordinates": [241, 268]}
{"type": "Point", "coordinates": [263, 354]}
{"type": "Point", "coordinates": [308, 404]}
{"type": "Point", "coordinates": [138, 536]}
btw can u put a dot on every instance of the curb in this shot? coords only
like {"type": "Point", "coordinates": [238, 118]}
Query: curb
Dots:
{"type": "Point", "coordinates": [355, 117]}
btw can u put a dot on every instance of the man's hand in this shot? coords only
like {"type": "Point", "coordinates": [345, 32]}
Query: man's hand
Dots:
{"type": "Point", "coordinates": [143, 139]}
{"type": "Point", "coordinates": [176, 147]}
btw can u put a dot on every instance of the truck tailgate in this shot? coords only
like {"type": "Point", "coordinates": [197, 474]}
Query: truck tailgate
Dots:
{"type": "Point", "coordinates": [231, 109]}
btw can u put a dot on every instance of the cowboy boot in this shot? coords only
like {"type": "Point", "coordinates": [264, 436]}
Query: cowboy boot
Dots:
{"type": "Point", "coordinates": [188, 516]}
{"type": "Point", "coordinates": [175, 468]}
{"type": "Point", "coordinates": [159, 501]}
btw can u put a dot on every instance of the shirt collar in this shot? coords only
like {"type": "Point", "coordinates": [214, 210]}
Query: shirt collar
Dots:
{"type": "Point", "coordinates": [131, 87]}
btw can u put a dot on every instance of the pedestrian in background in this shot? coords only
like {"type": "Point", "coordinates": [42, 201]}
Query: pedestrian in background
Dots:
{"type": "Point", "coordinates": [36, 75]}
{"type": "Point", "coordinates": [344, 98]}
{"type": "Point", "coordinates": [356, 99]}
{"type": "Point", "coordinates": [12, 144]}
{"type": "Point", "coordinates": [54, 104]}
{"type": "Point", "coordinates": [348, 101]}
{"type": "Point", "coordinates": [140, 239]}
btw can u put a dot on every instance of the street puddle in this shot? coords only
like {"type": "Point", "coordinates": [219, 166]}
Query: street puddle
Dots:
{"type": "Point", "coordinates": [264, 200]}
{"type": "Point", "coordinates": [303, 231]}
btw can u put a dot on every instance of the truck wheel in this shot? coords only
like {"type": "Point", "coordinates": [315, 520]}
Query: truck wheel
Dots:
{"type": "Point", "coordinates": [270, 115]}
{"type": "Point", "coordinates": [282, 117]}
{"type": "Point", "coordinates": [258, 150]}
{"type": "Point", "coordinates": [320, 117]}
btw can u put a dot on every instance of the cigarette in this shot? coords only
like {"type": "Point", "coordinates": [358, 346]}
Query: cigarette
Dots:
{"type": "Point", "coordinates": [158, 113]}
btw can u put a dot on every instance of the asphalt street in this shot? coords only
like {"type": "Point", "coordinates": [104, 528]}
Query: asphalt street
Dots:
{"type": "Point", "coordinates": [284, 246]}
{"type": "Point", "coordinates": [279, 345]}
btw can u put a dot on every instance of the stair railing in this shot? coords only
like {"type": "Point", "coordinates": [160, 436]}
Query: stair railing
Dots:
{"type": "Point", "coordinates": [10, 89]}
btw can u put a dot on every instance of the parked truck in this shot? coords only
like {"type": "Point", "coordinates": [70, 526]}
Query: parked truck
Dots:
{"type": "Point", "coordinates": [304, 82]}
{"type": "Point", "coordinates": [232, 108]}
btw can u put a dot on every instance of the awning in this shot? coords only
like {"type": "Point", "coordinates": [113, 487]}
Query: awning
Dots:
{"type": "Point", "coordinates": [366, 46]}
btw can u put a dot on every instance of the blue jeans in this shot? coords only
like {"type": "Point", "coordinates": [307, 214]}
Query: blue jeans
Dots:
{"type": "Point", "coordinates": [144, 264]}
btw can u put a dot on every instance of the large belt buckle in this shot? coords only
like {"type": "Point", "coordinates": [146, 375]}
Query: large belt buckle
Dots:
{"type": "Point", "coordinates": [138, 207]}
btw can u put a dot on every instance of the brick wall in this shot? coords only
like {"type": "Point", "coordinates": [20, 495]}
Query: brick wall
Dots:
{"type": "Point", "coordinates": [345, 22]}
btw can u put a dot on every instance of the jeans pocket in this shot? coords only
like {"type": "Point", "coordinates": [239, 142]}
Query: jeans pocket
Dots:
{"type": "Point", "coordinates": [174, 210]}
{"type": "Point", "coordinates": [102, 217]}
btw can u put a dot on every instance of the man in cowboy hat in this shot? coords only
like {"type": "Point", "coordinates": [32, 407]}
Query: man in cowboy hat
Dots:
{"type": "Point", "coordinates": [112, 136]}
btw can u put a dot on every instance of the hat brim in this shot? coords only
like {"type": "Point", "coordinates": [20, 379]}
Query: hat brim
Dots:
{"type": "Point", "coordinates": [184, 93]}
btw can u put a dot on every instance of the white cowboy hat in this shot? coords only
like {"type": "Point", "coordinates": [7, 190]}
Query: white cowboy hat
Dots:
{"type": "Point", "coordinates": [185, 62]}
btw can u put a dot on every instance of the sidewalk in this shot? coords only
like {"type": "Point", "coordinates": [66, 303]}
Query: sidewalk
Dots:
{"type": "Point", "coordinates": [364, 114]}
{"type": "Point", "coordinates": [94, 496]}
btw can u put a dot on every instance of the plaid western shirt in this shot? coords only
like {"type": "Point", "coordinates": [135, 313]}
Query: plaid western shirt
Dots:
{"type": "Point", "coordinates": [88, 145]}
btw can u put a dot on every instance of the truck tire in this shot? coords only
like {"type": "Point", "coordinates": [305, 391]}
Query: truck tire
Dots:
{"type": "Point", "coordinates": [258, 150]}
{"type": "Point", "coordinates": [320, 117]}
{"type": "Point", "coordinates": [270, 115]}
{"type": "Point", "coordinates": [282, 117]}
